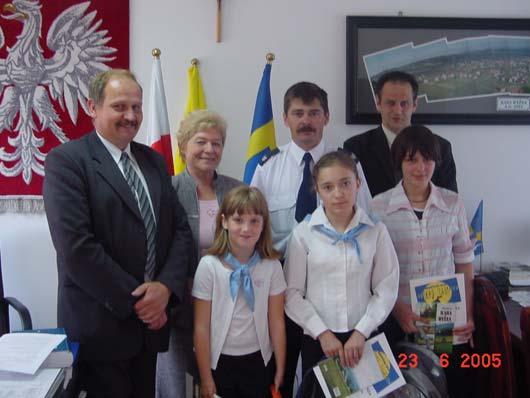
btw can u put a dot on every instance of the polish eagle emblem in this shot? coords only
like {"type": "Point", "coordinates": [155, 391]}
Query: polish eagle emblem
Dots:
{"type": "Point", "coordinates": [30, 83]}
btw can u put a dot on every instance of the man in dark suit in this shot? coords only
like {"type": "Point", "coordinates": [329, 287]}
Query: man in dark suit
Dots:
{"type": "Point", "coordinates": [396, 100]}
{"type": "Point", "coordinates": [122, 242]}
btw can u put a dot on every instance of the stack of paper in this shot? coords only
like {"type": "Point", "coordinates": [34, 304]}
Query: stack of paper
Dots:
{"type": "Point", "coordinates": [520, 275]}
{"type": "Point", "coordinates": [19, 385]}
{"type": "Point", "coordinates": [62, 356]}
{"type": "Point", "coordinates": [25, 352]}
{"type": "Point", "coordinates": [21, 355]}
{"type": "Point", "coordinates": [522, 297]}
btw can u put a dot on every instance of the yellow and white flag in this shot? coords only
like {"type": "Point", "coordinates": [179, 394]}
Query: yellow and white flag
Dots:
{"type": "Point", "coordinates": [196, 101]}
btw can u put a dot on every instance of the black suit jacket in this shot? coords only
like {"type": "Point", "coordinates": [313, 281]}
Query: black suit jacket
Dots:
{"type": "Point", "coordinates": [371, 149]}
{"type": "Point", "coordinates": [100, 239]}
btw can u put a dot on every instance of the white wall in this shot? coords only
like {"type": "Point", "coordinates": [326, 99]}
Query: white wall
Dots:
{"type": "Point", "coordinates": [308, 39]}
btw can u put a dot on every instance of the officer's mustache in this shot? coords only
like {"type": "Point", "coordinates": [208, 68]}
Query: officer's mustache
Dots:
{"type": "Point", "coordinates": [306, 129]}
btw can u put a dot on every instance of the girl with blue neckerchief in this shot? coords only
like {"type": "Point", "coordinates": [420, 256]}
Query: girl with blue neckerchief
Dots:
{"type": "Point", "coordinates": [341, 268]}
{"type": "Point", "coordinates": [239, 299]}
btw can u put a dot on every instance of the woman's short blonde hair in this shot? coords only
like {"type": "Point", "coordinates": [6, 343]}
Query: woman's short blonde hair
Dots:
{"type": "Point", "coordinates": [200, 121]}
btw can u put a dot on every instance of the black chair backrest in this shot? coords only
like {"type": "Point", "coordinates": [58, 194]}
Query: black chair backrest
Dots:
{"type": "Point", "coordinates": [5, 303]}
{"type": "Point", "coordinates": [428, 376]}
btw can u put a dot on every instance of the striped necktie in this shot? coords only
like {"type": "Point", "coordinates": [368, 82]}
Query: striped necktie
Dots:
{"type": "Point", "coordinates": [145, 210]}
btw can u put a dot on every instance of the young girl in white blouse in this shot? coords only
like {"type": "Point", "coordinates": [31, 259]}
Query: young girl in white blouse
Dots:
{"type": "Point", "coordinates": [239, 299]}
{"type": "Point", "coordinates": [341, 268]}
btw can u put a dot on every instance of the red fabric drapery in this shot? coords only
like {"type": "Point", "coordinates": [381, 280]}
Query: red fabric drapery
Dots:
{"type": "Point", "coordinates": [49, 52]}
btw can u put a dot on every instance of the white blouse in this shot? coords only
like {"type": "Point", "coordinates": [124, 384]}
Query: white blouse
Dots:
{"type": "Point", "coordinates": [212, 283]}
{"type": "Point", "coordinates": [330, 287]}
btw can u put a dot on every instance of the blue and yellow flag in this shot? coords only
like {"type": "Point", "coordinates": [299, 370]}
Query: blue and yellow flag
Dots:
{"type": "Point", "coordinates": [262, 136]}
{"type": "Point", "coordinates": [475, 230]}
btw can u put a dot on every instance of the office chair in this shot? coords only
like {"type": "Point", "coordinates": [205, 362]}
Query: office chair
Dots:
{"type": "Point", "coordinates": [492, 335]}
{"type": "Point", "coordinates": [5, 303]}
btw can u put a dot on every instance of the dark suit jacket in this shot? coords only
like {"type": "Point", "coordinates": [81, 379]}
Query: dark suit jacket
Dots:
{"type": "Point", "coordinates": [100, 239]}
{"type": "Point", "coordinates": [371, 149]}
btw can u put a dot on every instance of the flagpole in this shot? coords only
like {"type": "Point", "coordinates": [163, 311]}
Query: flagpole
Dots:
{"type": "Point", "coordinates": [218, 23]}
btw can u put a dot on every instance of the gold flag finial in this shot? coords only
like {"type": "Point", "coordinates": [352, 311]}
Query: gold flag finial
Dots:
{"type": "Point", "coordinates": [195, 62]}
{"type": "Point", "coordinates": [270, 57]}
{"type": "Point", "coordinates": [218, 23]}
{"type": "Point", "coordinates": [156, 52]}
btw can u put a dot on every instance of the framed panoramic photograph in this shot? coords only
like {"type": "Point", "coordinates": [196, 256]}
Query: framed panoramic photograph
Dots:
{"type": "Point", "coordinates": [469, 70]}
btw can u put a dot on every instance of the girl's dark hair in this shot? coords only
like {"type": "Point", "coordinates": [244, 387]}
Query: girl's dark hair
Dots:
{"type": "Point", "coordinates": [339, 157]}
{"type": "Point", "coordinates": [412, 139]}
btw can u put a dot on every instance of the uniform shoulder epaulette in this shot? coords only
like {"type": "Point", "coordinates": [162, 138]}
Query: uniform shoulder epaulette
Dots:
{"type": "Point", "coordinates": [268, 155]}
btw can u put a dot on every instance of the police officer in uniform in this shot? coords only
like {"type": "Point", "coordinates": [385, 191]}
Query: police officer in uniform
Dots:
{"type": "Point", "coordinates": [284, 177]}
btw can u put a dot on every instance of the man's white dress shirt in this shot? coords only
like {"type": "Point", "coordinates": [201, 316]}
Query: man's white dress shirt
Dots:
{"type": "Point", "coordinates": [279, 179]}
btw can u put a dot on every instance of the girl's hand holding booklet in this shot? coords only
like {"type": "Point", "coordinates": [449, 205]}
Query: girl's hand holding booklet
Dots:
{"type": "Point", "coordinates": [376, 374]}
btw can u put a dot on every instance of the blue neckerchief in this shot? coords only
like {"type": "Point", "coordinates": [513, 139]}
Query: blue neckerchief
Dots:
{"type": "Point", "coordinates": [240, 276]}
{"type": "Point", "coordinates": [350, 236]}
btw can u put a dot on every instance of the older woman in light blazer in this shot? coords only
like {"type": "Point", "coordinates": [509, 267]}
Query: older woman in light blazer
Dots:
{"type": "Point", "coordinates": [200, 189]}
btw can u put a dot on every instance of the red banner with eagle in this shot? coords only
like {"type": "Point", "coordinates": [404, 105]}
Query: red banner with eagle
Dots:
{"type": "Point", "coordinates": [49, 53]}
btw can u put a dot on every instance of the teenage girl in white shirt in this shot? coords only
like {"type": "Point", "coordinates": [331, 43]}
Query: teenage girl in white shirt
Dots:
{"type": "Point", "coordinates": [239, 299]}
{"type": "Point", "coordinates": [430, 231]}
{"type": "Point", "coordinates": [341, 268]}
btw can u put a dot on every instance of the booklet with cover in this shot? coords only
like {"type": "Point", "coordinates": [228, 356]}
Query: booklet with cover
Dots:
{"type": "Point", "coordinates": [442, 300]}
{"type": "Point", "coordinates": [376, 374]}
{"type": "Point", "coordinates": [437, 335]}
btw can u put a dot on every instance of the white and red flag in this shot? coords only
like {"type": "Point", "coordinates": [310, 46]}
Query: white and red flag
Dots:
{"type": "Point", "coordinates": [158, 136]}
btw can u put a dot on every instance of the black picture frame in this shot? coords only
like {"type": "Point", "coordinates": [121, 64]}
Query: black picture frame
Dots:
{"type": "Point", "coordinates": [366, 35]}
